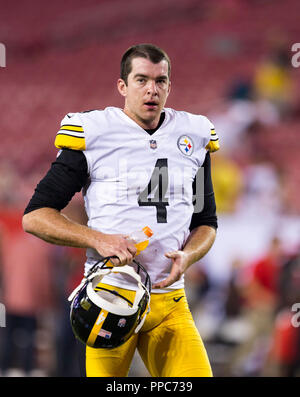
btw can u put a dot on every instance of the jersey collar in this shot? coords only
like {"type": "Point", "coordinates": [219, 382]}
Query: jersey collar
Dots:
{"type": "Point", "coordinates": [162, 122]}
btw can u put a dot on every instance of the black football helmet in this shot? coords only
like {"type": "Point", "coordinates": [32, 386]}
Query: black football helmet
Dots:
{"type": "Point", "coordinates": [101, 318]}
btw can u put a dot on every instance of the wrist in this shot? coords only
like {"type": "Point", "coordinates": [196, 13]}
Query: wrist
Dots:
{"type": "Point", "coordinates": [191, 256]}
{"type": "Point", "coordinates": [93, 238]}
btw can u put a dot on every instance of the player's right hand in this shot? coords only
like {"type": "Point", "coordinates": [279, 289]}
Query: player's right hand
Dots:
{"type": "Point", "coordinates": [116, 245]}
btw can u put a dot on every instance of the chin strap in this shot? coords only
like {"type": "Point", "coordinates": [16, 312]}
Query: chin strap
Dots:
{"type": "Point", "coordinates": [91, 274]}
{"type": "Point", "coordinates": [78, 288]}
{"type": "Point", "coordinates": [146, 312]}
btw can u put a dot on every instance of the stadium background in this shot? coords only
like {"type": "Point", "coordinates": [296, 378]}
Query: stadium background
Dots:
{"type": "Point", "coordinates": [231, 60]}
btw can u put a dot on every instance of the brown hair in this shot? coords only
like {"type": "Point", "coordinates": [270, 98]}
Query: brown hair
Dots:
{"type": "Point", "coordinates": [148, 51]}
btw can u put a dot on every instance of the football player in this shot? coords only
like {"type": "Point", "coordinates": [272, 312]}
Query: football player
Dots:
{"type": "Point", "coordinates": [137, 166]}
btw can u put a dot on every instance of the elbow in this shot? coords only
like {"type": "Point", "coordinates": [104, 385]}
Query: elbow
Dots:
{"type": "Point", "coordinates": [27, 223]}
{"type": "Point", "coordinates": [35, 222]}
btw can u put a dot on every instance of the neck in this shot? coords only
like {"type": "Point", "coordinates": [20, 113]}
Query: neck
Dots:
{"type": "Point", "coordinates": [145, 124]}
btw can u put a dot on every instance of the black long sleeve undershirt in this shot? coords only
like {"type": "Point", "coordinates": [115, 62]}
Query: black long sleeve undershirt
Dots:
{"type": "Point", "coordinates": [69, 174]}
{"type": "Point", "coordinates": [208, 214]}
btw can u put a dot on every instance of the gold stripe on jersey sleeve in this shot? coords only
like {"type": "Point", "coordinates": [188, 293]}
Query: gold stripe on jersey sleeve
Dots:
{"type": "Point", "coordinates": [70, 127]}
{"type": "Point", "coordinates": [213, 145]}
{"type": "Point", "coordinates": [64, 141]}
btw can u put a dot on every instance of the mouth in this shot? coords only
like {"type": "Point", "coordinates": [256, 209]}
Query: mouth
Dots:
{"type": "Point", "coordinates": [151, 105]}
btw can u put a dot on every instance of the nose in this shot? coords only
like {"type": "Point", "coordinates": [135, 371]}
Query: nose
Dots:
{"type": "Point", "coordinates": [151, 87]}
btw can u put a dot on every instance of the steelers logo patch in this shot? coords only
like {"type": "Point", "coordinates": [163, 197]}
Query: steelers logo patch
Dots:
{"type": "Point", "coordinates": [185, 145]}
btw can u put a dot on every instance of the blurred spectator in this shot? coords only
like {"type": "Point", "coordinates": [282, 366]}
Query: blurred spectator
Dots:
{"type": "Point", "coordinates": [284, 357]}
{"type": "Point", "coordinates": [285, 351]}
{"type": "Point", "coordinates": [228, 183]}
{"type": "Point", "coordinates": [234, 299]}
{"type": "Point", "coordinates": [69, 272]}
{"type": "Point", "coordinates": [68, 263]}
{"type": "Point", "coordinates": [240, 113]}
{"type": "Point", "coordinates": [259, 289]}
{"type": "Point", "coordinates": [26, 280]}
{"type": "Point", "coordinates": [272, 80]}
{"type": "Point", "coordinates": [262, 189]}
{"type": "Point", "coordinates": [26, 290]}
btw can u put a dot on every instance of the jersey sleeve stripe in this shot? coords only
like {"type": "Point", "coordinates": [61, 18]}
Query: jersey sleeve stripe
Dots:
{"type": "Point", "coordinates": [71, 132]}
{"type": "Point", "coordinates": [70, 127]}
{"type": "Point", "coordinates": [213, 144]}
{"type": "Point", "coordinates": [69, 141]}
{"type": "Point", "coordinates": [73, 135]}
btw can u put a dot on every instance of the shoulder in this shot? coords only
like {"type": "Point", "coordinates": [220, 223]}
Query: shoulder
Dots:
{"type": "Point", "coordinates": [198, 123]}
{"type": "Point", "coordinates": [70, 134]}
{"type": "Point", "coordinates": [76, 127]}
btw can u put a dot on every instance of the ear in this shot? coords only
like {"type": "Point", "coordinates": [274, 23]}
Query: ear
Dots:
{"type": "Point", "coordinates": [122, 87]}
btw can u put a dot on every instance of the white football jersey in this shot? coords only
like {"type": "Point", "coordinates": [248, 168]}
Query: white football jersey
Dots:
{"type": "Point", "coordinates": [138, 180]}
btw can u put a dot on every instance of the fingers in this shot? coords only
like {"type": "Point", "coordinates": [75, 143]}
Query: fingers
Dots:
{"type": "Point", "coordinates": [123, 258]}
{"type": "Point", "coordinates": [165, 283]}
{"type": "Point", "coordinates": [115, 260]}
{"type": "Point", "coordinates": [172, 255]}
{"type": "Point", "coordinates": [118, 246]}
{"type": "Point", "coordinates": [176, 270]}
{"type": "Point", "coordinates": [174, 275]}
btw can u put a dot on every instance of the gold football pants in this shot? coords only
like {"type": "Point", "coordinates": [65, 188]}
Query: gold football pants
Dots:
{"type": "Point", "coordinates": [168, 343]}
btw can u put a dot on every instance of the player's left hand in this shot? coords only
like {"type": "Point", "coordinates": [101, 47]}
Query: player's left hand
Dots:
{"type": "Point", "coordinates": [179, 265]}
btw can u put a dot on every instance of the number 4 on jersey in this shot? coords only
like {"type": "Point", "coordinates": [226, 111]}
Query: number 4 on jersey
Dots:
{"type": "Point", "coordinates": [159, 182]}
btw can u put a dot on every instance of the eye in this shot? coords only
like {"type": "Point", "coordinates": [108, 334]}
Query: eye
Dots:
{"type": "Point", "coordinates": [161, 81]}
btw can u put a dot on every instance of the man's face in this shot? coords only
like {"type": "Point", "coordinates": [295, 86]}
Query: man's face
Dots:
{"type": "Point", "coordinates": [146, 92]}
